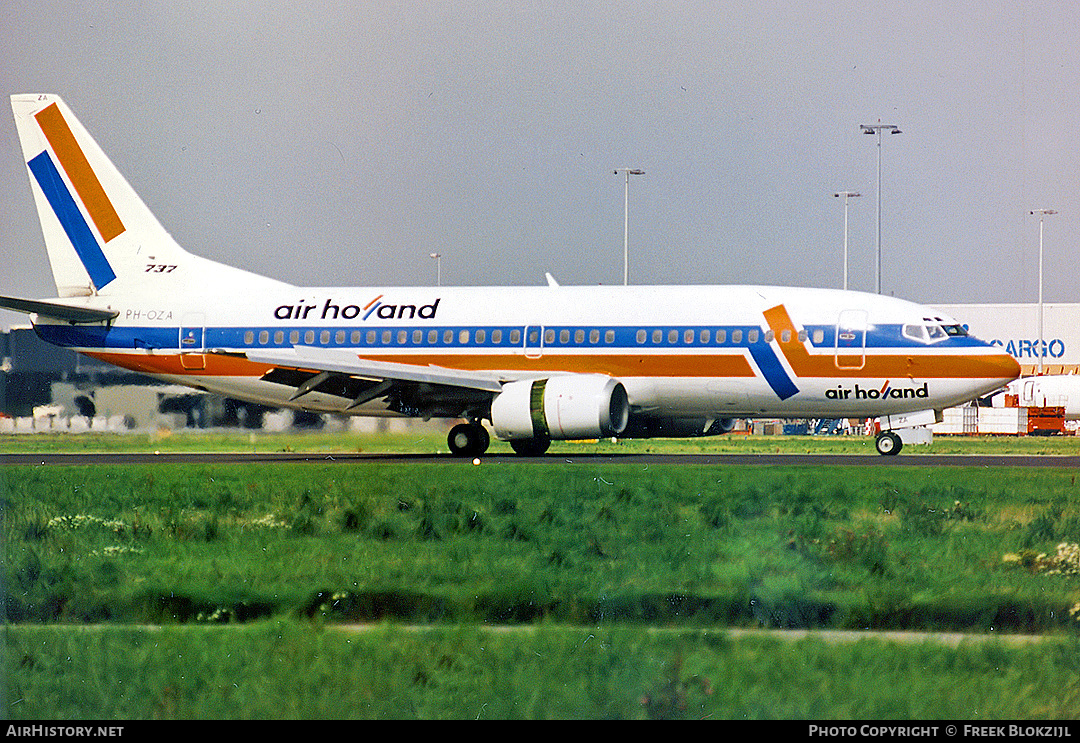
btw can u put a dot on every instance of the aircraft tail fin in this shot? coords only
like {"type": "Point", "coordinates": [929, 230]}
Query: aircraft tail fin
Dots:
{"type": "Point", "coordinates": [100, 236]}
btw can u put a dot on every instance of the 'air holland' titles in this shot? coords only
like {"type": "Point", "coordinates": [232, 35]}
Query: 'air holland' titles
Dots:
{"type": "Point", "coordinates": [375, 308]}
{"type": "Point", "coordinates": [885, 392]}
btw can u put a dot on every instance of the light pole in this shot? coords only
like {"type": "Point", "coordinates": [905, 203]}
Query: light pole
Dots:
{"type": "Point", "coordinates": [1042, 215]}
{"type": "Point", "coordinates": [877, 129]}
{"type": "Point", "coordinates": [846, 195]}
{"type": "Point", "coordinates": [438, 267]}
{"type": "Point", "coordinates": [626, 220]}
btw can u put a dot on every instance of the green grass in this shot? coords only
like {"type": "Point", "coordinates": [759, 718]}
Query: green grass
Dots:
{"type": "Point", "coordinates": [786, 547]}
{"type": "Point", "coordinates": [285, 670]}
{"type": "Point", "coordinates": [508, 590]}
{"type": "Point", "coordinates": [427, 440]}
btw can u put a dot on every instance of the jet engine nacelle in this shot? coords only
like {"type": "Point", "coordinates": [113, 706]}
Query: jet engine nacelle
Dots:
{"type": "Point", "coordinates": [572, 406]}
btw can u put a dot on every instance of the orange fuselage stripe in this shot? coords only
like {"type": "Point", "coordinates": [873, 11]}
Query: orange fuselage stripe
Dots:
{"type": "Point", "coordinates": [698, 365]}
{"type": "Point", "coordinates": [803, 364]}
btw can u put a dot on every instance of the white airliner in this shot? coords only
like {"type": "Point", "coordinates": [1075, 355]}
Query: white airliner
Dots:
{"type": "Point", "coordinates": [537, 364]}
{"type": "Point", "coordinates": [1051, 390]}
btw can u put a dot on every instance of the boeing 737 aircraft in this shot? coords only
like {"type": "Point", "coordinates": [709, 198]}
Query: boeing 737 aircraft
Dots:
{"type": "Point", "coordinates": [537, 364]}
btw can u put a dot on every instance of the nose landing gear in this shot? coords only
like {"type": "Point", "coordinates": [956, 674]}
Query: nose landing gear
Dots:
{"type": "Point", "coordinates": [888, 443]}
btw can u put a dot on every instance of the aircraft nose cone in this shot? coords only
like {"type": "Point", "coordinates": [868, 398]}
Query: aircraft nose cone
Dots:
{"type": "Point", "coordinates": [1009, 367]}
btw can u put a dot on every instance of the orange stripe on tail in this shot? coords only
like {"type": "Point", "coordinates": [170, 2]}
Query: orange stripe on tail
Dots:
{"type": "Point", "coordinates": [82, 176]}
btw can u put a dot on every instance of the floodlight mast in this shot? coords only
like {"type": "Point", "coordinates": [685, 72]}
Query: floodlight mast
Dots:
{"type": "Point", "coordinates": [437, 257]}
{"type": "Point", "coordinates": [877, 129]}
{"type": "Point", "coordinates": [846, 195]}
{"type": "Point", "coordinates": [626, 220]}
{"type": "Point", "coordinates": [1042, 348]}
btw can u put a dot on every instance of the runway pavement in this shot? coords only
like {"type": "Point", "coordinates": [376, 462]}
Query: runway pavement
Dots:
{"type": "Point", "coordinates": [761, 460]}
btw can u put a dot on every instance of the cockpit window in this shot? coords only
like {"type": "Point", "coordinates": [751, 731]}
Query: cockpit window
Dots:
{"type": "Point", "coordinates": [936, 332]}
{"type": "Point", "coordinates": [916, 332]}
{"type": "Point", "coordinates": [933, 329]}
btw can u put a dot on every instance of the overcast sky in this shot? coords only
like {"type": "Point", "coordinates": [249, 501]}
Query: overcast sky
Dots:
{"type": "Point", "coordinates": [341, 143]}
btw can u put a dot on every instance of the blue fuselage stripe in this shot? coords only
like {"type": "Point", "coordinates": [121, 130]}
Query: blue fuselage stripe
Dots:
{"type": "Point", "coordinates": [773, 371]}
{"type": "Point", "coordinates": [67, 211]}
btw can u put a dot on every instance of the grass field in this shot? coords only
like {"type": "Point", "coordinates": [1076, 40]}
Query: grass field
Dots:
{"type": "Point", "coordinates": [289, 670]}
{"type": "Point", "coordinates": [616, 582]}
{"type": "Point", "coordinates": [432, 439]}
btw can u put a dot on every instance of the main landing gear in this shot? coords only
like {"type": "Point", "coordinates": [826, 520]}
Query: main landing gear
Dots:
{"type": "Point", "coordinates": [533, 447]}
{"type": "Point", "coordinates": [468, 439]}
{"type": "Point", "coordinates": [888, 443]}
{"type": "Point", "coordinates": [472, 439]}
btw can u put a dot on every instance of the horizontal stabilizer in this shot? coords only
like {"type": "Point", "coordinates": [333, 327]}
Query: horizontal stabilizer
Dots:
{"type": "Point", "coordinates": [58, 310]}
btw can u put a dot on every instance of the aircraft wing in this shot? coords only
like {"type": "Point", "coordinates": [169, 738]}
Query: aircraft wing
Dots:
{"type": "Point", "coordinates": [59, 310]}
{"type": "Point", "coordinates": [343, 374]}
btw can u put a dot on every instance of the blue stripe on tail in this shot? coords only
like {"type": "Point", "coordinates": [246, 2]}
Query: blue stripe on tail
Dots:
{"type": "Point", "coordinates": [67, 211]}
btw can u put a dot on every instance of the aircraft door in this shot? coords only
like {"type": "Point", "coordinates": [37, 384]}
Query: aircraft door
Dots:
{"type": "Point", "coordinates": [192, 341]}
{"type": "Point", "coordinates": [851, 339]}
{"type": "Point", "coordinates": [1027, 398]}
{"type": "Point", "coordinates": [534, 341]}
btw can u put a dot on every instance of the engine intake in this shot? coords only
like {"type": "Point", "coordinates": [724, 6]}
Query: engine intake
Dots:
{"type": "Point", "coordinates": [573, 406]}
